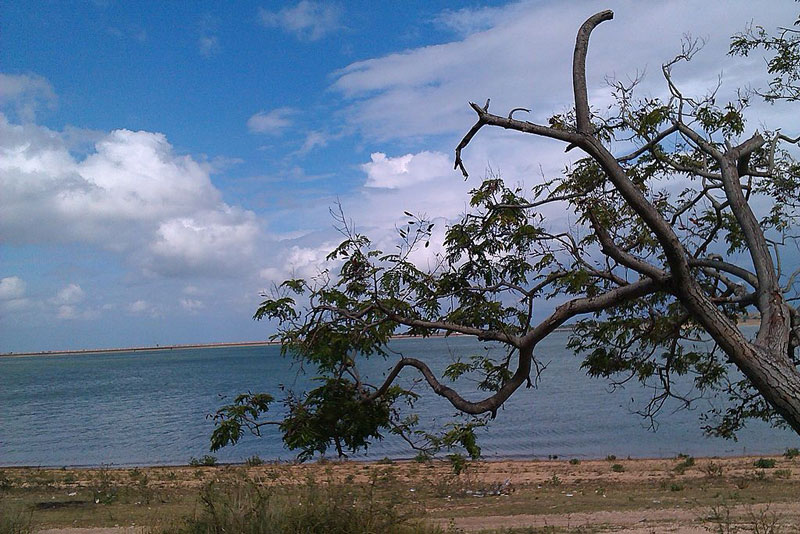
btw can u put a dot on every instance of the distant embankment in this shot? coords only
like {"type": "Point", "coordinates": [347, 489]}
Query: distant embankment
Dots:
{"type": "Point", "coordinates": [142, 349]}
{"type": "Point", "coordinates": [191, 346]}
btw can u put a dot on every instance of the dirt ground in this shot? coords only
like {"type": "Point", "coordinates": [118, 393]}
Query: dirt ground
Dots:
{"type": "Point", "coordinates": [647, 496]}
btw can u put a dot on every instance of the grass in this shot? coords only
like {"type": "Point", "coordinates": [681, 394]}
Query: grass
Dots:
{"type": "Point", "coordinates": [246, 506]}
{"type": "Point", "coordinates": [381, 497]}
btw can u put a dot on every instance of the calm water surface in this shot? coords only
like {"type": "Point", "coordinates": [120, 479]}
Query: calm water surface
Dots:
{"type": "Point", "coordinates": [149, 408]}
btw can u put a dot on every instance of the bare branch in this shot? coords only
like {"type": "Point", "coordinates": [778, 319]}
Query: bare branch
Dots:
{"type": "Point", "coordinates": [579, 69]}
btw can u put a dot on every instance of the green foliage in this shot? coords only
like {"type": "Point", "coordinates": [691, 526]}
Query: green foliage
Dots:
{"type": "Point", "coordinates": [203, 461]}
{"type": "Point", "coordinates": [792, 453]}
{"type": "Point", "coordinates": [335, 414]}
{"type": "Point", "coordinates": [765, 463]}
{"type": "Point", "coordinates": [232, 419]}
{"type": "Point", "coordinates": [785, 49]}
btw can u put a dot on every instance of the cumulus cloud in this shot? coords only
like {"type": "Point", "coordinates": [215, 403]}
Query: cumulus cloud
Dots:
{"type": "Point", "coordinates": [12, 288]}
{"type": "Point", "coordinates": [405, 171]}
{"type": "Point", "coordinates": [132, 195]}
{"type": "Point", "coordinates": [307, 20]}
{"type": "Point", "coordinates": [25, 94]}
{"type": "Point", "coordinates": [271, 122]}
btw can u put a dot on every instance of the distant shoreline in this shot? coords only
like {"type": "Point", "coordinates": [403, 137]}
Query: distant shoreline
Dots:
{"type": "Point", "coordinates": [748, 322]}
{"type": "Point", "coordinates": [141, 349]}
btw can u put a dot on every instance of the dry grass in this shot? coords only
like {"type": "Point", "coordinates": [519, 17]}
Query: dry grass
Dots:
{"type": "Point", "coordinates": [495, 495]}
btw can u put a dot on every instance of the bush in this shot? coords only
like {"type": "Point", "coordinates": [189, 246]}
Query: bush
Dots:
{"type": "Point", "coordinates": [253, 461]}
{"type": "Point", "coordinates": [207, 461]}
{"type": "Point", "coordinates": [574, 461]}
{"type": "Point", "coordinates": [618, 468]}
{"type": "Point", "coordinates": [687, 462]}
{"type": "Point", "coordinates": [792, 453]}
{"type": "Point", "coordinates": [764, 463]}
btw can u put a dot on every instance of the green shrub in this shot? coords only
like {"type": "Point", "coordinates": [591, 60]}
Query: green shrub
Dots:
{"type": "Point", "coordinates": [611, 457]}
{"type": "Point", "coordinates": [574, 461]}
{"type": "Point", "coordinates": [207, 461]}
{"type": "Point", "coordinates": [764, 463]}
{"type": "Point", "coordinates": [687, 462]}
{"type": "Point", "coordinates": [618, 468]}
{"type": "Point", "coordinates": [792, 453]}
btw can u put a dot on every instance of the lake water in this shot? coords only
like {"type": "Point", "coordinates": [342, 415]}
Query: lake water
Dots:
{"type": "Point", "coordinates": [149, 408]}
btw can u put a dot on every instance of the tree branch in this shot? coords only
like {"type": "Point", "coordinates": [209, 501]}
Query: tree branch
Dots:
{"type": "Point", "coordinates": [579, 69]}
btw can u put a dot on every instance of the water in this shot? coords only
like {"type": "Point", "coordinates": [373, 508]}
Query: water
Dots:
{"type": "Point", "coordinates": [149, 408]}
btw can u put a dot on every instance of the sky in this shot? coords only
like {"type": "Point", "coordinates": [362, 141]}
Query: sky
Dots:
{"type": "Point", "coordinates": [163, 163]}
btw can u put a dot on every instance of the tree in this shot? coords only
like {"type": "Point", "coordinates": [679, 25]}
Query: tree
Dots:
{"type": "Point", "coordinates": [670, 252]}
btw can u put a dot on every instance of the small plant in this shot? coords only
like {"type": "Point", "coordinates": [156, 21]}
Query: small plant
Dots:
{"type": "Point", "coordinates": [253, 461]}
{"type": "Point", "coordinates": [792, 453]}
{"type": "Point", "coordinates": [574, 461]}
{"type": "Point", "coordinates": [618, 468]}
{"type": "Point", "coordinates": [385, 461]}
{"type": "Point", "coordinates": [676, 487]}
{"type": "Point", "coordinates": [712, 470]}
{"type": "Point", "coordinates": [687, 462]}
{"type": "Point", "coordinates": [765, 463]}
{"type": "Point", "coordinates": [204, 461]}
{"type": "Point", "coordinates": [611, 458]}
{"type": "Point", "coordinates": [104, 491]}
{"type": "Point", "coordinates": [554, 480]}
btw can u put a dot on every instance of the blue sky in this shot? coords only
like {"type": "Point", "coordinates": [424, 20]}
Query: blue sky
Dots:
{"type": "Point", "coordinates": [161, 163]}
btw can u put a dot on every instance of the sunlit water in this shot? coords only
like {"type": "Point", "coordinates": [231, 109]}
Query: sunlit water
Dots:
{"type": "Point", "coordinates": [149, 408]}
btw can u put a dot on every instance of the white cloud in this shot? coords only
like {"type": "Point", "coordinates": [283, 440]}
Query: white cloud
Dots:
{"type": "Point", "coordinates": [143, 307]}
{"type": "Point", "coordinates": [307, 20]}
{"type": "Point", "coordinates": [520, 55]}
{"type": "Point", "coordinates": [12, 288]}
{"type": "Point", "coordinates": [208, 45]}
{"type": "Point", "coordinates": [408, 170]}
{"type": "Point", "coordinates": [132, 195]}
{"type": "Point", "coordinates": [314, 139]}
{"type": "Point", "coordinates": [25, 94]}
{"type": "Point", "coordinates": [272, 122]}
{"type": "Point", "coordinates": [205, 242]}
{"type": "Point", "coordinates": [470, 20]}
{"type": "Point", "coordinates": [68, 295]}
{"type": "Point", "coordinates": [192, 305]}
